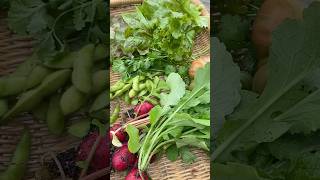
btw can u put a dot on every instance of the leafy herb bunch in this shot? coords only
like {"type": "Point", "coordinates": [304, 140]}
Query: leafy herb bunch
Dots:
{"type": "Point", "coordinates": [156, 34]}
{"type": "Point", "coordinates": [59, 25]}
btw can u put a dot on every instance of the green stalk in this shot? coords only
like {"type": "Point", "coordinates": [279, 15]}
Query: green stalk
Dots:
{"type": "Point", "coordinates": [144, 160]}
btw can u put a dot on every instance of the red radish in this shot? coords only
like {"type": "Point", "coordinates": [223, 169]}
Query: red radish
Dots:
{"type": "Point", "coordinates": [100, 159]}
{"type": "Point", "coordinates": [121, 135]}
{"type": "Point", "coordinates": [123, 159]}
{"type": "Point", "coordinates": [135, 175]}
{"type": "Point", "coordinates": [143, 108]}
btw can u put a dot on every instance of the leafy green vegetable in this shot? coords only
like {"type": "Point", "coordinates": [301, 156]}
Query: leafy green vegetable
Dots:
{"type": "Point", "coordinates": [276, 135]}
{"type": "Point", "coordinates": [59, 26]}
{"type": "Point", "coordinates": [157, 33]}
{"type": "Point", "coordinates": [80, 129]}
{"type": "Point", "coordinates": [234, 31]}
{"type": "Point", "coordinates": [133, 143]}
{"type": "Point", "coordinates": [171, 124]}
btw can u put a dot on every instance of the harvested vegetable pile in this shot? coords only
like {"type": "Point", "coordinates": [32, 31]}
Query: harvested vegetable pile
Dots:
{"type": "Point", "coordinates": [275, 134]}
{"type": "Point", "coordinates": [151, 48]}
{"type": "Point", "coordinates": [65, 78]}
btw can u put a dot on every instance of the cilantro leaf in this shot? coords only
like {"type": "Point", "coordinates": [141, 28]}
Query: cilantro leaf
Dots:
{"type": "Point", "coordinates": [28, 16]}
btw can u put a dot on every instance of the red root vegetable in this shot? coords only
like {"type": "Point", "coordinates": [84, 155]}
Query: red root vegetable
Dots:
{"type": "Point", "coordinates": [121, 134]}
{"type": "Point", "coordinates": [123, 159]}
{"type": "Point", "coordinates": [143, 108]}
{"type": "Point", "coordinates": [100, 159]}
{"type": "Point", "coordinates": [135, 175]}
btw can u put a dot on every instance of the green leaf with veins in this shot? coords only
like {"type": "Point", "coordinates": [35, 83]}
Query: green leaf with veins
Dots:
{"type": "Point", "coordinates": [28, 16]}
{"type": "Point", "coordinates": [133, 143]}
{"type": "Point", "coordinates": [234, 171]}
{"type": "Point", "coordinates": [177, 90]}
{"type": "Point", "coordinates": [226, 84]}
{"type": "Point", "coordinates": [272, 114]}
{"type": "Point", "coordinates": [172, 152]}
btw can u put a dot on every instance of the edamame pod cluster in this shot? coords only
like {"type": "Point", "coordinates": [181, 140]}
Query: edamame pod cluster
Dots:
{"type": "Point", "coordinates": [52, 91]}
{"type": "Point", "coordinates": [139, 88]}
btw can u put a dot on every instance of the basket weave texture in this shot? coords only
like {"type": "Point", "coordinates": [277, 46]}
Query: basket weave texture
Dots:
{"type": "Point", "coordinates": [163, 169]}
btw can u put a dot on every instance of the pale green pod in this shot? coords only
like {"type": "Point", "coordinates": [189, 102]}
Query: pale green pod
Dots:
{"type": "Point", "coordinates": [36, 76]}
{"type": "Point", "coordinates": [99, 80]}
{"type": "Point", "coordinates": [100, 102]}
{"type": "Point", "coordinates": [62, 63]}
{"type": "Point", "coordinates": [82, 69]}
{"type": "Point", "coordinates": [11, 86]}
{"type": "Point", "coordinates": [71, 100]}
{"type": "Point", "coordinates": [55, 117]}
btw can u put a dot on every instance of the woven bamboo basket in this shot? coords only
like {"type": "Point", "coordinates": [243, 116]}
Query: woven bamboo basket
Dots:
{"type": "Point", "coordinates": [14, 50]}
{"type": "Point", "coordinates": [162, 168]}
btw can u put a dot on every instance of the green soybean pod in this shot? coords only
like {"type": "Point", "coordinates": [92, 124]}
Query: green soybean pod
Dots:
{"type": "Point", "coordinates": [54, 81]}
{"type": "Point", "coordinates": [36, 76]}
{"type": "Point", "coordinates": [64, 62]}
{"type": "Point", "coordinates": [151, 100]}
{"type": "Point", "coordinates": [149, 84]}
{"type": "Point", "coordinates": [127, 98]}
{"type": "Point", "coordinates": [27, 102]}
{"type": "Point", "coordinates": [3, 107]}
{"type": "Point", "coordinates": [132, 93]}
{"type": "Point", "coordinates": [141, 78]}
{"type": "Point", "coordinates": [82, 69]}
{"type": "Point", "coordinates": [55, 117]}
{"type": "Point", "coordinates": [156, 81]}
{"type": "Point", "coordinates": [72, 100]}
{"type": "Point", "coordinates": [143, 92]}
{"type": "Point", "coordinates": [12, 86]}
{"type": "Point", "coordinates": [142, 86]}
{"type": "Point", "coordinates": [135, 83]}
{"type": "Point", "coordinates": [115, 114]}
{"type": "Point", "coordinates": [117, 86]}
{"type": "Point", "coordinates": [100, 53]}
{"type": "Point", "coordinates": [134, 102]}
{"type": "Point", "coordinates": [123, 90]}
{"type": "Point", "coordinates": [40, 111]}
{"type": "Point", "coordinates": [18, 165]}
{"type": "Point", "coordinates": [100, 102]}
{"type": "Point", "coordinates": [99, 80]}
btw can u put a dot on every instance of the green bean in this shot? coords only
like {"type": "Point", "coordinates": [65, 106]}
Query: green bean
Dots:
{"type": "Point", "coordinates": [135, 83]}
{"type": "Point", "coordinates": [132, 93]}
{"type": "Point", "coordinates": [32, 98]}
{"type": "Point", "coordinates": [100, 52]}
{"type": "Point", "coordinates": [141, 78]}
{"type": "Point", "coordinates": [149, 84]}
{"type": "Point", "coordinates": [65, 62]}
{"type": "Point", "coordinates": [123, 90]}
{"type": "Point", "coordinates": [151, 100]}
{"type": "Point", "coordinates": [55, 117]}
{"type": "Point", "coordinates": [141, 93]}
{"type": "Point", "coordinates": [82, 69]}
{"type": "Point", "coordinates": [156, 81]}
{"type": "Point", "coordinates": [3, 107]}
{"type": "Point", "coordinates": [40, 111]}
{"type": "Point", "coordinates": [115, 114]}
{"type": "Point", "coordinates": [117, 86]}
{"type": "Point", "coordinates": [142, 86]}
{"type": "Point", "coordinates": [54, 81]}
{"type": "Point", "coordinates": [127, 98]}
{"type": "Point", "coordinates": [99, 80]}
{"type": "Point", "coordinates": [10, 86]}
{"type": "Point", "coordinates": [27, 102]}
{"type": "Point", "coordinates": [100, 102]}
{"type": "Point", "coordinates": [18, 165]}
{"type": "Point", "coordinates": [72, 100]}
{"type": "Point", "coordinates": [36, 76]}
{"type": "Point", "coordinates": [134, 102]}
